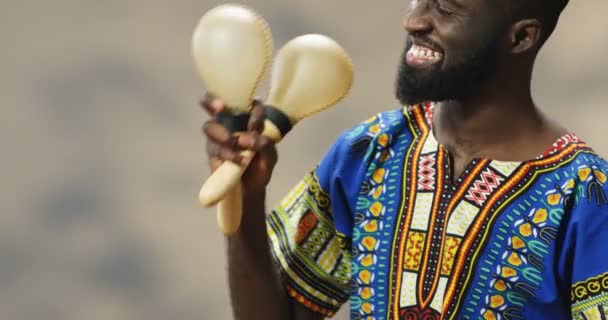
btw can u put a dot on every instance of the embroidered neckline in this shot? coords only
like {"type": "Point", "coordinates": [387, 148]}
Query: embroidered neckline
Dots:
{"type": "Point", "coordinates": [560, 144]}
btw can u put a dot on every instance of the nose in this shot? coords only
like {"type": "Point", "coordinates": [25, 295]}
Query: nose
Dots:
{"type": "Point", "coordinates": [418, 20]}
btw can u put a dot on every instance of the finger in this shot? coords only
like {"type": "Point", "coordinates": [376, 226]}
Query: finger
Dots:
{"type": "Point", "coordinates": [219, 134]}
{"type": "Point", "coordinates": [253, 141]}
{"type": "Point", "coordinates": [256, 117]}
{"type": "Point", "coordinates": [212, 104]}
{"type": "Point", "coordinates": [205, 102]}
{"type": "Point", "coordinates": [268, 155]}
{"type": "Point", "coordinates": [214, 163]}
{"type": "Point", "coordinates": [215, 151]}
{"type": "Point", "coordinates": [218, 105]}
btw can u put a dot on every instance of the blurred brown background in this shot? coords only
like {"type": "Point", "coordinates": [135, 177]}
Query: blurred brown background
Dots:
{"type": "Point", "coordinates": [102, 156]}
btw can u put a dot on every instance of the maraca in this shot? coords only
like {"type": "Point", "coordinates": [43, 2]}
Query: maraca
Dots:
{"type": "Point", "coordinates": [232, 48]}
{"type": "Point", "coordinates": [310, 74]}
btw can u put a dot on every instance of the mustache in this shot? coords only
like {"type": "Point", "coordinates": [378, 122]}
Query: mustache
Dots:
{"type": "Point", "coordinates": [411, 40]}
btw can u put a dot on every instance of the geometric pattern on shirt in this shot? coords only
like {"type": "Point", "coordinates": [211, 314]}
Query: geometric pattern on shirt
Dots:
{"type": "Point", "coordinates": [370, 219]}
{"type": "Point", "coordinates": [497, 211]}
{"type": "Point", "coordinates": [483, 187]}
{"type": "Point", "coordinates": [487, 183]}
{"type": "Point", "coordinates": [451, 246]}
{"type": "Point", "coordinates": [426, 172]}
{"type": "Point", "coordinates": [307, 249]}
{"type": "Point", "coordinates": [461, 218]}
{"type": "Point", "coordinates": [488, 180]}
{"type": "Point", "coordinates": [563, 141]}
{"type": "Point", "coordinates": [590, 298]}
{"type": "Point", "coordinates": [525, 235]}
{"type": "Point", "coordinates": [518, 271]}
{"type": "Point", "coordinates": [376, 216]}
{"type": "Point", "coordinates": [415, 249]}
{"type": "Point", "coordinates": [418, 211]}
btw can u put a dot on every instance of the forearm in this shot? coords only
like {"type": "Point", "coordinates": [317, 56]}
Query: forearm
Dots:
{"type": "Point", "coordinates": [255, 286]}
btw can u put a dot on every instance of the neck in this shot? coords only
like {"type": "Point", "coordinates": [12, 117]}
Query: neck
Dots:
{"type": "Point", "coordinates": [500, 122]}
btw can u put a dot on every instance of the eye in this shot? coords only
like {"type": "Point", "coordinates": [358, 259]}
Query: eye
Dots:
{"type": "Point", "coordinates": [442, 10]}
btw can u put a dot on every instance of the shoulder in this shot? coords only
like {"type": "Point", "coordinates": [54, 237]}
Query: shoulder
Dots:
{"type": "Point", "coordinates": [588, 165]}
{"type": "Point", "coordinates": [591, 175]}
{"type": "Point", "coordinates": [379, 131]}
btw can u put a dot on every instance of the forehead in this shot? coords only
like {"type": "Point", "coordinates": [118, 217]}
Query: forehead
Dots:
{"type": "Point", "coordinates": [470, 4]}
{"type": "Point", "coordinates": [477, 3]}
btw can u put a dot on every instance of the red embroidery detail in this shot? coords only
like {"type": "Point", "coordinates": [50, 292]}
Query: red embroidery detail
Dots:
{"type": "Point", "coordinates": [482, 188]}
{"type": "Point", "coordinates": [561, 143]}
{"type": "Point", "coordinates": [426, 173]}
{"type": "Point", "coordinates": [427, 108]}
{"type": "Point", "coordinates": [306, 225]}
{"type": "Point", "coordinates": [309, 304]}
{"type": "Point", "coordinates": [414, 313]}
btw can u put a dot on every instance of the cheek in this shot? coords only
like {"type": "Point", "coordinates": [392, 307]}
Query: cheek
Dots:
{"type": "Point", "coordinates": [460, 37]}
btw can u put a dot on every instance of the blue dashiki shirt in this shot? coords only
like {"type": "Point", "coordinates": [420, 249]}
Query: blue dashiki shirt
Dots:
{"type": "Point", "coordinates": [381, 223]}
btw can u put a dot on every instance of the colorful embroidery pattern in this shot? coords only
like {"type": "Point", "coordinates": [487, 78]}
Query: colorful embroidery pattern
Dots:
{"type": "Point", "coordinates": [451, 247]}
{"type": "Point", "coordinates": [310, 243]}
{"type": "Point", "coordinates": [590, 298]}
{"type": "Point", "coordinates": [483, 187]}
{"type": "Point", "coordinates": [516, 273]}
{"type": "Point", "coordinates": [413, 255]}
{"type": "Point", "coordinates": [370, 221]}
{"type": "Point", "coordinates": [426, 173]}
{"type": "Point", "coordinates": [402, 239]}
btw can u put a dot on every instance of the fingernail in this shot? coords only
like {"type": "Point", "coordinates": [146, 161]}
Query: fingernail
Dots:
{"type": "Point", "coordinates": [217, 105]}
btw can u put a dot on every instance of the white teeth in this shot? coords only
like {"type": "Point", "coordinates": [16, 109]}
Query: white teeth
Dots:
{"type": "Point", "coordinates": [422, 52]}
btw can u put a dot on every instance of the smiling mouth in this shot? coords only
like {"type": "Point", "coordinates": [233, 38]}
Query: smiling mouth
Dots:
{"type": "Point", "coordinates": [419, 55]}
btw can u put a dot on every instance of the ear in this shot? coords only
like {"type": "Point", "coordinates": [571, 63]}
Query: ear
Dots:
{"type": "Point", "coordinates": [525, 35]}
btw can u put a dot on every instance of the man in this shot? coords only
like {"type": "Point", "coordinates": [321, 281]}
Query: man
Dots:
{"type": "Point", "coordinates": [472, 206]}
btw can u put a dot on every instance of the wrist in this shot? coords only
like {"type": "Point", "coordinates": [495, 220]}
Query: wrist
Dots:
{"type": "Point", "coordinates": [254, 194]}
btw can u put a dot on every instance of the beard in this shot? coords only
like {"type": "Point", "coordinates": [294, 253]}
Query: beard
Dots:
{"type": "Point", "coordinates": [450, 82]}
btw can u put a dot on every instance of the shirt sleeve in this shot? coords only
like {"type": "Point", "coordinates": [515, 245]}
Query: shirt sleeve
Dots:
{"type": "Point", "coordinates": [309, 233]}
{"type": "Point", "coordinates": [587, 243]}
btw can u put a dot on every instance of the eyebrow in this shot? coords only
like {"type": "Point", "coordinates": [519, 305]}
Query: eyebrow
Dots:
{"type": "Point", "coordinates": [457, 3]}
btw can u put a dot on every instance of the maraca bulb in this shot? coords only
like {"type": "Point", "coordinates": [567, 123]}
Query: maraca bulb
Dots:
{"type": "Point", "coordinates": [310, 73]}
{"type": "Point", "coordinates": [232, 46]}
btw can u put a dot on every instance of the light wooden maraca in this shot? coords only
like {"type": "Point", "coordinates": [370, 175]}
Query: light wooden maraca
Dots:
{"type": "Point", "coordinates": [232, 48]}
{"type": "Point", "coordinates": [310, 74]}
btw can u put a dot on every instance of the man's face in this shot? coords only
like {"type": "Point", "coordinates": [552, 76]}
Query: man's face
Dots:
{"type": "Point", "coordinates": [452, 48]}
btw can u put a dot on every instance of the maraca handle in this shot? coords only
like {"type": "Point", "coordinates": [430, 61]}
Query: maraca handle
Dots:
{"type": "Point", "coordinates": [229, 173]}
{"type": "Point", "coordinates": [221, 181]}
{"type": "Point", "coordinates": [229, 211]}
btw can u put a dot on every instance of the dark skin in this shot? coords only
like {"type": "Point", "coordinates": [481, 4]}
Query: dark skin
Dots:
{"type": "Point", "coordinates": [500, 122]}
{"type": "Point", "coordinates": [256, 287]}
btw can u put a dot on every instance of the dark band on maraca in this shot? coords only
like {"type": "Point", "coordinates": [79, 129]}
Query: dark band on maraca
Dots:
{"type": "Point", "coordinates": [279, 119]}
{"type": "Point", "coordinates": [233, 122]}
{"type": "Point", "coordinates": [239, 122]}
